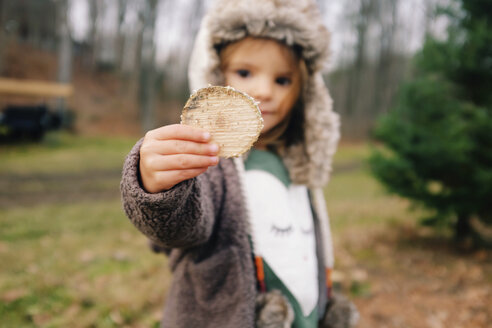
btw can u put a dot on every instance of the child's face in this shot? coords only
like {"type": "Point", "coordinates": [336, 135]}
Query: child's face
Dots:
{"type": "Point", "coordinates": [267, 71]}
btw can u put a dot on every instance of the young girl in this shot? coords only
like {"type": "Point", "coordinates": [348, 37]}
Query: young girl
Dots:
{"type": "Point", "coordinates": [248, 239]}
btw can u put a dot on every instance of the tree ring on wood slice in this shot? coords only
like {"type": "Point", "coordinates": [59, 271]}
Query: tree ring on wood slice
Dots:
{"type": "Point", "coordinates": [232, 118]}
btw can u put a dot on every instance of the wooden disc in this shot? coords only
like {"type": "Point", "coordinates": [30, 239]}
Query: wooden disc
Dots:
{"type": "Point", "coordinates": [232, 118]}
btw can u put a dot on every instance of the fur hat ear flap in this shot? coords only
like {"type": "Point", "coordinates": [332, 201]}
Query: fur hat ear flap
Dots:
{"type": "Point", "coordinates": [340, 313]}
{"type": "Point", "coordinates": [273, 310]}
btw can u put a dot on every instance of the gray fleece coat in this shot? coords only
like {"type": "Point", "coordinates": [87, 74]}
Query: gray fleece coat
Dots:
{"type": "Point", "coordinates": [202, 223]}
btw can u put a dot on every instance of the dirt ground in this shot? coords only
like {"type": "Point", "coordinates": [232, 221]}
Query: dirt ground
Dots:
{"type": "Point", "coordinates": [408, 277]}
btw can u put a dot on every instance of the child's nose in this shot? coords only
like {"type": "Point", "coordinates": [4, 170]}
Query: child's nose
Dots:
{"type": "Point", "coordinates": [263, 89]}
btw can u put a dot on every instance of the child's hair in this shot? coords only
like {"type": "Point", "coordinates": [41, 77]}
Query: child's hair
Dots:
{"type": "Point", "coordinates": [289, 131]}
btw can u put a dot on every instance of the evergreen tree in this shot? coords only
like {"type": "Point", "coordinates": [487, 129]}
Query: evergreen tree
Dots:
{"type": "Point", "coordinates": [438, 138]}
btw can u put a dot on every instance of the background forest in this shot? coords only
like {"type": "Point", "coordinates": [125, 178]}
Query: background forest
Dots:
{"type": "Point", "coordinates": [138, 51]}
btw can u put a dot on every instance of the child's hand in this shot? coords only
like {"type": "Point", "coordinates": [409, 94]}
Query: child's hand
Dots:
{"type": "Point", "coordinates": [174, 153]}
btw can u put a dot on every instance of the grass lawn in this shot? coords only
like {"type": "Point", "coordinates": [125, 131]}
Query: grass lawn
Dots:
{"type": "Point", "coordinates": [70, 258]}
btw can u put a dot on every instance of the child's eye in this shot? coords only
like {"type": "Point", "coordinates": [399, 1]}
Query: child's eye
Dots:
{"type": "Point", "coordinates": [243, 72]}
{"type": "Point", "coordinates": [284, 81]}
{"type": "Point", "coordinates": [281, 231]}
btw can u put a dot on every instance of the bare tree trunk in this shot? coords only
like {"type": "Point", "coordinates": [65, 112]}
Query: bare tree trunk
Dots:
{"type": "Point", "coordinates": [360, 53]}
{"type": "Point", "coordinates": [64, 51]}
{"type": "Point", "coordinates": [3, 37]}
{"type": "Point", "coordinates": [34, 21]}
{"type": "Point", "coordinates": [428, 14]}
{"type": "Point", "coordinates": [130, 51]}
{"type": "Point", "coordinates": [147, 66]}
{"type": "Point", "coordinates": [93, 43]}
{"type": "Point", "coordinates": [180, 77]}
{"type": "Point", "coordinates": [384, 69]}
{"type": "Point", "coordinates": [120, 37]}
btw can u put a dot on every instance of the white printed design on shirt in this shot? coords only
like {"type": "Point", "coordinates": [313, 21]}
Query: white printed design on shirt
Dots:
{"type": "Point", "coordinates": [283, 234]}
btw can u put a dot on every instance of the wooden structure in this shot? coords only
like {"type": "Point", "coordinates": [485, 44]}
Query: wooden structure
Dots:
{"type": "Point", "coordinates": [33, 88]}
{"type": "Point", "coordinates": [34, 119]}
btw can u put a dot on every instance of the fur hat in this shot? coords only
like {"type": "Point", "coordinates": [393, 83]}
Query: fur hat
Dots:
{"type": "Point", "coordinates": [293, 22]}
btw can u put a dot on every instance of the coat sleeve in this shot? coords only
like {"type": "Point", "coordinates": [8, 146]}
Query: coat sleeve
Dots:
{"type": "Point", "coordinates": [180, 217]}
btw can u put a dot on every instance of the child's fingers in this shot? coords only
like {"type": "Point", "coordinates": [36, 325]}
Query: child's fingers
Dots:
{"type": "Point", "coordinates": [179, 131]}
{"type": "Point", "coordinates": [171, 147]}
{"type": "Point", "coordinates": [180, 162]}
{"type": "Point", "coordinates": [165, 180]}
{"type": "Point", "coordinates": [168, 179]}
